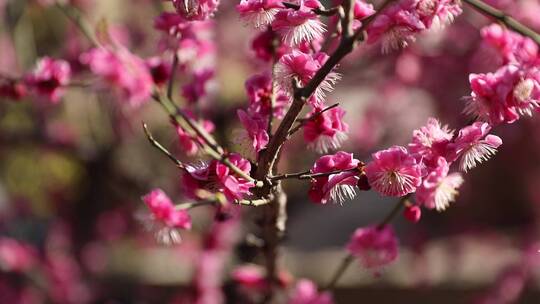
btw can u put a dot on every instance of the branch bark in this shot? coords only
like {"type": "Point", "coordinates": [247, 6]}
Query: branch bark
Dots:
{"type": "Point", "coordinates": [505, 19]}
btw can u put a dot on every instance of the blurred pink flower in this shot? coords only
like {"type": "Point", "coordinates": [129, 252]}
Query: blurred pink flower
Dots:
{"type": "Point", "coordinates": [474, 145]}
{"type": "Point", "coordinates": [259, 91]}
{"type": "Point", "coordinates": [439, 188]}
{"type": "Point", "coordinates": [159, 69]}
{"type": "Point", "coordinates": [16, 256]}
{"type": "Point", "coordinates": [49, 78]}
{"type": "Point", "coordinates": [396, 26]}
{"type": "Point", "coordinates": [327, 131]}
{"type": "Point", "coordinates": [199, 87]}
{"type": "Point", "coordinates": [512, 47]}
{"type": "Point", "coordinates": [256, 129]}
{"type": "Point", "coordinates": [393, 172]}
{"type": "Point", "coordinates": [166, 219]}
{"type": "Point", "coordinates": [12, 89]}
{"type": "Point", "coordinates": [336, 187]}
{"type": "Point", "coordinates": [190, 143]}
{"type": "Point", "coordinates": [250, 276]}
{"type": "Point", "coordinates": [196, 9]}
{"type": "Point", "coordinates": [122, 70]}
{"type": "Point", "coordinates": [305, 292]}
{"type": "Point", "coordinates": [374, 246]}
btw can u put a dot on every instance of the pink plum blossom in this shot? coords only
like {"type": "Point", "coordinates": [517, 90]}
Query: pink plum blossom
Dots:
{"type": "Point", "coordinates": [166, 219]}
{"type": "Point", "coordinates": [297, 26]}
{"type": "Point", "coordinates": [190, 143]}
{"type": "Point", "coordinates": [199, 87]}
{"type": "Point", "coordinates": [12, 89]}
{"type": "Point", "coordinates": [259, 12]}
{"type": "Point", "coordinates": [264, 46]}
{"type": "Point", "coordinates": [302, 67]}
{"type": "Point", "coordinates": [327, 131]}
{"type": "Point", "coordinates": [336, 187]}
{"type": "Point", "coordinates": [438, 12]}
{"type": "Point", "coordinates": [250, 276]}
{"type": "Point", "coordinates": [15, 255]}
{"type": "Point", "coordinates": [196, 9]}
{"type": "Point", "coordinates": [49, 78]}
{"type": "Point", "coordinates": [122, 70]}
{"type": "Point", "coordinates": [396, 26]}
{"type": "Point", "coordinates": [474, 145]}
{"type": "Point", "coordinates": [439, 188]}
{"type": "Point", "coordinates": [256, 129]}
{"type": "Point", "coordinates": [504, 95]}
{"type": "Point", "coordinates": [259, 91]}
{"type": "Point", "coordinates": [430, 142]}
{"type": "Point", "coordinates": [217, 177]}
{"type": "Point", "coordinates": [374, 246]}
{"type": "Point", "coordinates": [305, 292]}
{"type": "Point", "coordinates": [512, 47]}
{"type": "Point", "coordinates": [394, 172]}
{"type": "Point", "coordinates": [159, 69]}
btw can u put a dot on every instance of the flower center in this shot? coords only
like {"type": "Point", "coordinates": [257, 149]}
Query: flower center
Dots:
{"type": "Point", "coordinates": [523, 90]}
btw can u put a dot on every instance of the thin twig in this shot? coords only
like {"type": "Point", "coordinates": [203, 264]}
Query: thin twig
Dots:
{"type": "Point", "coordinates": [318, 11]}
{"type": "Point", "coordinates": [170, 85]}
{"type": "Point", "coordinates": [395, 211]}
{"type": "Point", "coordinates": [311, 118]}
{"type": "Point", "coordinates": [502, 17]}
{"type": "Point", "coordinates": [160, 147]}
{"type": "Point", "coordinates": [307, 175]}
{"type": "Point", "coordinates": [78, 19]}
{"type": "Point", "coordinates": [347, 261]}
{"type": "Point", "coordinates": [196, 204]}
{"type": "Point", "coordinates": [254, 202]}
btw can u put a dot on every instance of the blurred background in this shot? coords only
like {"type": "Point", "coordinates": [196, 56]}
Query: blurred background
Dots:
{"type": "Point", "coordinates": [72, 174]}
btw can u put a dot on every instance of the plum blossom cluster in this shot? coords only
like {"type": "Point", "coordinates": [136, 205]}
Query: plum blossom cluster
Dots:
{"type": "Point", "coordinates": [400, 23]}
{"type": "Point", "coordinates": [290, 43]}
{"type": "Point", "coordinates": [47, 81]}
{"type": "Point", "coordinates": [513, 90]}
{"type": "Point", "coordinates": [422, 168]}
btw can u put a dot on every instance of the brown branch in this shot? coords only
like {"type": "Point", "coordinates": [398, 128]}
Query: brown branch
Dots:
{"type": "Point", "coordinates": [502, 17]}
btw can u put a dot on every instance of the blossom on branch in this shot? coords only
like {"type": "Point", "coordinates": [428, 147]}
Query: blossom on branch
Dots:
{"type": "Point", "coordinates": [439, 188]}
{"type": "Point", "coordinates": [374, 246]}
{"type": "Point", "coordinates": [216, 177]}
{"type": "Point", "coordinates": [474, 145]}
{"type": "Point", "coordinates": [337, 187]}
{"type": "Point", "coordinates": [196, 9]}
{"type": "Point", "coordinates": [297, 26]}
{"type": "Point", "coordinates": [165, 219]}
{"type": "Point", "coordinates": [327, 131]}
{"type": "Point", "coordinates": [259, 13]}
{"type": "Point", "coordinates": [49, 78]}
{"type": "Point", "coordinates": [394, 172]}
{"type": "Point", "coordinates": [122, 70]}
{"type": "Point", "coordinates": [305, 292]}
{"type": "Point", "coordinates": [301, 66]}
